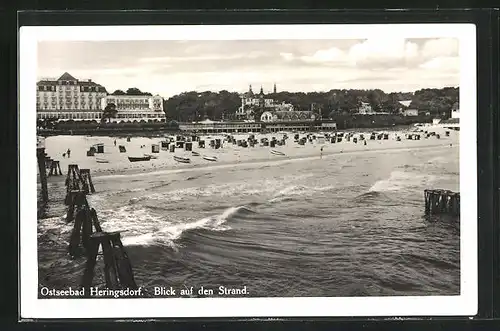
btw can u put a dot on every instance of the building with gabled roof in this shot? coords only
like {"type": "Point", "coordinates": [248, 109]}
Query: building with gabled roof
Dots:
{"type": "Point", "coordinates": [405, 103]}
{"type": "Point", "coordinates": [251, 101]}
{"type": "Point", "coordinates": [69, 98]}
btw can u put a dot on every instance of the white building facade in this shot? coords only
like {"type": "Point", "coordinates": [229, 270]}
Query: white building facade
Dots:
{"type": "Point", "coordinates": [287, 116]}
{"type": "Point", "coordinates": [410, 112]}
{"type": "Point", "coordinates": [251, 101]}
{"type": "Point", "coordinates": [135, 107]}
{"type": "Point", "coordinates": [69, 98]}
{"type": "Point", "coordinates": [365, 109]}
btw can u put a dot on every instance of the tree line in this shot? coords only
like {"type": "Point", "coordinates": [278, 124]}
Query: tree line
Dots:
{"type": "Point", "coordinates": [195, 106]}
{"type": "Point", "coordinates": [131, 91]}
{"type": "Point", "coordinates": [223, 105]}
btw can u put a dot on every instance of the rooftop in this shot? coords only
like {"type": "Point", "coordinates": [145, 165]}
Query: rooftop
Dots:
{"type": "Point", "coordinates": [66, 76]}
{"type": "Point", "coordinates": [405, 103]}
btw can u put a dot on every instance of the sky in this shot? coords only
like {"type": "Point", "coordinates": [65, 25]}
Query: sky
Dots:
{"type": "Point", "coordinates": [169, 67]}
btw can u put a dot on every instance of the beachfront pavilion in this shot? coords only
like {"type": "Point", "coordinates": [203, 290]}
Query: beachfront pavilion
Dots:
{"type": "Point", "coordinates": [207, 127]}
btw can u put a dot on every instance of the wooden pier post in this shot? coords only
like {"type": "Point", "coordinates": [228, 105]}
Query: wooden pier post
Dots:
{"type": "Point", "coordinates": [76, 180]}
{"type": "Point", "coordinates": [72, 182]}
{"type": "Point", "coordinates": [87, 180]}
{"type": "Point", "coordinates": [117, 268]}
{"type": "Point", "coordinates": [85, 223]}
{"type": "Point", "coordinates": [442, 202]}
{"type": "Point", "coordinates": [40, 155]}
{"type": "Point", "coordinates": [55, 169]}
{"type": "Point", "coordinates": [78, 201]}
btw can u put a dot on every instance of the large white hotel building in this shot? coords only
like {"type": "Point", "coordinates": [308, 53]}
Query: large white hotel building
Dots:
{"type": "Point", "coordinates": [68, 98]}
{"type": "Point", "coordinates": [135, 107]}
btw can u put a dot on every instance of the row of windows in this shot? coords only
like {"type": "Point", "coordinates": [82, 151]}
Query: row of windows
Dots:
{"type": "Point", "coordinates": [70, 115]}
{"type": "Point", "coordinates": [129, 108]}
{"type": "Point", "coordinates": [140, 115]}
{"type": "Point", "coordinates": [66, 102]}
{"type": "Point", "coordinates": [68, 97]}
{"type": "Point", "coordinates": [126, 100]}
{"type": "Point", "coordinates": [128, 104]}
{"type": "Point", "coordinates": [53, 88]}
{"type": "Point", "coordinates": [88, 95]}
{"type": "Point", "coordinates": [47, 107]}
{"type": "Point", "coordinates": [61, 100]}
{"type": "Point", "coordinates": [66, 106]}
{"type": "Point", "coordinates": [87, 115]}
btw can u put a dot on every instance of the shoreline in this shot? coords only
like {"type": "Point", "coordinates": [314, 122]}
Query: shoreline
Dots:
{"type": "Point", "coordinates": [110, 173]}
{"type": "Point", "coordinates": [113, 160]}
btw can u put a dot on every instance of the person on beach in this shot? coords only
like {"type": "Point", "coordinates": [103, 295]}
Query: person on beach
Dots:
{"type": "Point", "coordinates": [321, 152]}
{"type": "Point", "coordinates": [115, 142]}
{"type": "Point", "coordinates": [64, 155]}
{"type": "Point", "coordinates": [68, 152]}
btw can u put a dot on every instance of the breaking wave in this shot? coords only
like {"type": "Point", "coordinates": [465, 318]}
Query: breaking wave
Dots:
{"type": "Point", "coordinates": [143, 229]}
{"type": "Point", "coordinates": [399, 180]}
{"type": "Point", "coordinates": [293, 191]}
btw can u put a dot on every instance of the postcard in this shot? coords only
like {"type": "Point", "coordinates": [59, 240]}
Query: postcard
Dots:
{"type": "Point", "coordinates": [248, 171]}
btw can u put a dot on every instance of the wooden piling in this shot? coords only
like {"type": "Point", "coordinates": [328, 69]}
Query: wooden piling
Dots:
{"type": "Point", "coordinates": [72, 176]}
{"type": "Point", "coordinates": [86, 223]}
{"type": "Point", "coordinates": [55, 169]}
{"type": "Point", "coordinates": [77, 180]}
{"type": "Point", "coordinates": [87, 181]}
{"type": "Point", "coordinates": [78, 201]}
{"type": "Point", "coordinates": [40, 155]}
{"type": "Point", "coordinates": [442, 202]}
{"type": "Point", "coordinates": [118, 271]}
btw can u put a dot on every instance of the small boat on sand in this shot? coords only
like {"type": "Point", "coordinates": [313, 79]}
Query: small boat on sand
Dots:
{"type": "Point", "coordinates": [275, 152]}
{"type": "Point", "coordinates": [139, 158]}
{"type": "Point", "coordinates": [151, 156]}
{"type": "Point", "coordinates": [182, 159]}
{"type": "Point", "coordinates": [101, 160]}
{"type": "Point", "coordinates": [210, 158]}
{"type": "Point", "coordinates": [195, 153]}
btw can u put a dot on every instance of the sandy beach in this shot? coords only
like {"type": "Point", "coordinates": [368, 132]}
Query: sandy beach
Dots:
{"type": "Point", "coordinates": [230, 154]}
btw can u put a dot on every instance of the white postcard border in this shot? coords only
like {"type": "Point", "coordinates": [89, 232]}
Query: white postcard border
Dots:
{"type": "Point", "coordinates": [32, 307]}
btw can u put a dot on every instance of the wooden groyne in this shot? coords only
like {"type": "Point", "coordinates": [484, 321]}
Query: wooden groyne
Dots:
{"type": "Point", "coordinates": [88, 236]}
{"type": "Point", "coordinates": [77, 180]}
{"type": "Point", "coordinates": [439, 201]}
{"type": "Point", "coordinates": [118, 271]}
{"type": "Point", "coordinates": [55, 169]}
{"type": "Point", "coordinates": [86, 223]}
{"type": "Point", "coordinates": [42, 169]}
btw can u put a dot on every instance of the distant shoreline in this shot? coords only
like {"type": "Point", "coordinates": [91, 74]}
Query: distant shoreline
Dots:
{"type": "Point", "coordinates": [264, 161]}
{"type": "Point", "coordinates": [117, 163]}
{"type": "Point", "coordinates": [109, 173]}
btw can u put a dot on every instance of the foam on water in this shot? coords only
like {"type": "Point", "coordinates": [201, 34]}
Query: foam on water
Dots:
{"type": "Point", "coordinates": [239, 188]}
{"type": "Point", "coordinates": [399, 180]}
{"type": "Point", "coordinates": [140, 228]}
{"type": "Point", "coordinates": [57, 223]}
{"type": "Point", "coordinates": [298, 190]}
